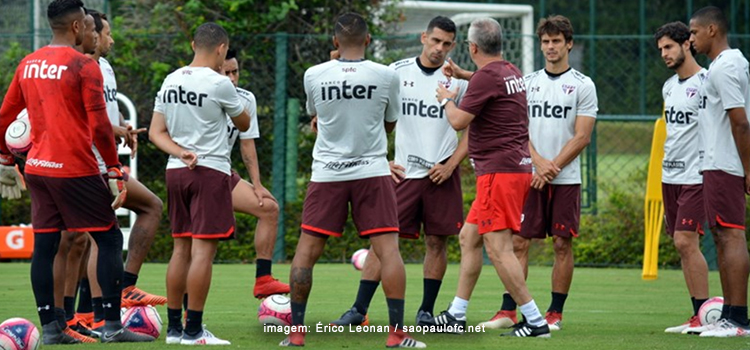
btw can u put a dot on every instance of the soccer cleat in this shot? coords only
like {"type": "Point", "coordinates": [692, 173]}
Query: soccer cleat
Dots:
{"type": "Point", "coordinates": [294, 339]}
{"type": "Point", "coordinates": [351, 317]}
{"type": "Point", "coordinates": [174, 336]}
{"type": "Point", "coordinates": [132, 296]}
{"type": "Point", "coordinates": [203, 338]}
{"type": "Point", "coordinates": [86, 318]}
{"type": "Point", "coordinates": [727, 328]}
{"type": "Point", "coordinates": [397, 338]}
{"type": "Point", "coordinates": [693, 322]}
{"type": "Point", "coordinates": [554, 320]}
{"type": "Point", "coordinates": [53, 334]}
{"type": "Point", "coordinates": [80, 326]}
{"type": "Point", "coordinates": [97, 328]}
{"type": "Point", "coordinates": [502, 319]}
{"type": "Point", "coordinates": [450, 324]}
{"type": "Point", "coordinates": [267, 285]}
{"type": "Point", "coordinates": [524, 329]}
{"type": "Point", "coordinates": [699, 329]}
{"type": "Point", "coordinates": [124, 335]}
{"type": "Point", "coordinates": [424, 318]}
{"type": "Point", "coordinates": [82, 338]}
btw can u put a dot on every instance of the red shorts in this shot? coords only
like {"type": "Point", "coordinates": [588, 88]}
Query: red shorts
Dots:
{"type": "Point", "coordinates": [439, 208]}
{"type": "Point", "coordinates": [78, 204]}
{"type": "Point", "coordinates": [683, 208]}
{"type": "Point", "coordinates": [373, 203]}
{"type": "Point", "coordinates": [200, 203]}
{"type": "Point", "coordinates": [499, 202]}
{"type": "Point", "coordinates": [724, 199]}
{"type": "Point", "coordinates": [553, 211]}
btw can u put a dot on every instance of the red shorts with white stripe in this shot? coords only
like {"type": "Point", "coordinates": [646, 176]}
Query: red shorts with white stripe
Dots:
{"type": "Point", "coordinates": [372, 200]}
{"type": "Point", "coordinates": [724, 199]}
{"type": "Point", "coordinates": [199, 203]}
{"type": "Point", "coordinates": [499, 202]}
{"type": "Point", "coordinates": [553, 211]}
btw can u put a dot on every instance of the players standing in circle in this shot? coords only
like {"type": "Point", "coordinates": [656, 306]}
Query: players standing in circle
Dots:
{"type": "Point", "coordinates": [428, 185]}
{"type": "Point", "coordinates": [190, 124]}
{"type": "Point", "coordinates": [356, 102]}
{"type": "Point", "coordinates": [67, 190]}
{"type": "Point", "coordinates": [495, 107]}
{"type": "Point", "coordinates": [562, 108]}
{"type": "Point", "coordinates": [682, 183]}
{"type": "Point", "coordinates": [725, 131]}
{"type": "Point", "coordinates": [253, 198]}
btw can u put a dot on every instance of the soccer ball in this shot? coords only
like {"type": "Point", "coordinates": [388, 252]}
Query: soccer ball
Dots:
{"type": "Point", "coordinates": [143, 319]}
{"type": "Point", "coordinates": [6, 342]}
{"type": "Point", "coordinates": [359, 257]}
{"type": "Point", "coordinates": [22, 333]}
{"type": "Point", "coordinates": [18, 135]}
{"type": "Point", "coordinates": [710, 311]}
{"type": "Point", "coordinates": [276, 310]}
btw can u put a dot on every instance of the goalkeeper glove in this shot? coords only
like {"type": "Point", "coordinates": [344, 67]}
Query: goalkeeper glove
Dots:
{"type": "Point", "coordinates": [116, 186]}
{"type": "Point", "coordinates": [11, 183]}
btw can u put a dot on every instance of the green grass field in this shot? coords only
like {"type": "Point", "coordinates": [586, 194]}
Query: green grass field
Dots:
{"type": "Point", "coordinates": [607, 309]}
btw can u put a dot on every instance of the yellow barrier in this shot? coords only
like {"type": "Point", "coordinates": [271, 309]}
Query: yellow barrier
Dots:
{"type": "Point", "coordinates": [654, 208]}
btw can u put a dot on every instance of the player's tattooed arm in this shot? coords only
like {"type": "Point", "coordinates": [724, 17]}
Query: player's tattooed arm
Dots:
{"type": "Point", "coordinates": [301, 281]}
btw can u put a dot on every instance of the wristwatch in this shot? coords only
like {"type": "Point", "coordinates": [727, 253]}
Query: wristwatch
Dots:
{"type": "Point", "coordinates": [445, 101]}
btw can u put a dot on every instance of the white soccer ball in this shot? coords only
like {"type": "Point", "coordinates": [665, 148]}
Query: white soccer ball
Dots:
{"type": "Point", "coordinates": [359, 257]}
{"type": "Point", "coordinates": [276, 310]}
{"type": "Point", "coordinates": [22, 334]}
{"type": "Point", "coordinates": [710, 311]}
{"type": "Point", "coordinates": [142, 319]}
{"type": "Point", "coordinates": [18, 135]}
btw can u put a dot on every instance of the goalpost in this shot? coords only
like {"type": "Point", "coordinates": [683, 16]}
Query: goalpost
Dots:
{"type": "Point", "coordinates": [517, 22]}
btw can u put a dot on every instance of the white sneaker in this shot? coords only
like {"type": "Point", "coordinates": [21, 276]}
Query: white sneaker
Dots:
{"type": "Point", "coordinates": [204, 338]}
{"type": "Point", "coordinates": [174, 336]}
{"type": "Point", "coordinates": [699, 329]}
{"type": "Point", "coordinates": [693, 322]}
{"type": "Point", "coordinates": [727, 328]}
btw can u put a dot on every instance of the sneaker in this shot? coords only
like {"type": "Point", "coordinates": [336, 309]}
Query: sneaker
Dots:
{"type": "Point", "coordinates": [526, 330]}
{"type": "Point", "coordinates": [397, 338]}
{"type": "Point", "coordinates": [84, 339]}
{"type": "Point", "coordinates": [351, 317]}
{"type": "Point", "coordinates": [53, 334]}
{"type": "Point", "coordinates": [451, 324]}
{"type": "Point", "coordinates": [502, 319]}
{"type": "Point", "coordinates": [727, 328]}
{"type": "Point", "coordinates": [132, 296]}
{"type": "Point", "coordinates": [203, 338]}
{"type": "Point", "coordinates": [699, 329]}
{"type": "Point", "coordinates": [174, 336]}
{"type": "Point", "coordinates": [554, 320]}
{"type": "Point", "coordinates": [124, 335]}
{"type": "Point", "coordinates": [267, 285]}
{"type": "Point", "coordinates": [693, 322]}
{"type": "Point", "coordinates": [86, 318]}
{"type": "Point", "coordinates": [97, 328]}
{"type": "Point", "coordinates": [424, 318]}
{"type": "Point", "coordinates": [79, 326]}
{"type": "Point", "coordinates": [294, 339]}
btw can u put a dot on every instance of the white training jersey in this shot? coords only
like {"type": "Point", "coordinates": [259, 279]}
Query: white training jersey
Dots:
{"type": "Point", "coordinates": [424, 137]}
{"type": "Point", "coordinates": [726, 87]}
{"type": "Point", "coordinates": [248, 101]}
{"type": "Point", "coordinates": [110, 98]}
{"type": "Point", "coordinates": [554, 102]}
{"type": "Point", "coordinates": [352, 101]}
{"type": "Point", "coordinates": [681, 165]}
{"type": "Point", "coordinates": [195, 102]}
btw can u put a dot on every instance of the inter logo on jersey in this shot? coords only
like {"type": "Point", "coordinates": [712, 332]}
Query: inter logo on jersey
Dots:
{"type": "Point", "coordinates": [514, 84]}
{"type": "Point", "coordinates": [674, 116]}
{"type": "Point", "coordinates": [690, 92]}
{"type": "Point", "coordinates": [42, 70]}
{"type": "Point", "coordinates": [110, 95]}
{"type": "Point", "coordinates": [181, 96]}
{"type": "Point", "coordinates": [334, 91]}
{"type": "Point", "coordinates": [416, 107]}
{"type": "Point", "coordinates": [547, 110]}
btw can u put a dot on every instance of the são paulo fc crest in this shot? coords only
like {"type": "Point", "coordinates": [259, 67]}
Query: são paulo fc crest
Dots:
{"type": "Point", "coordinates": [446, 83]}
{"type": "Point", "coordinates": [690, 92]}
{"type": "Point", "coordinates": [568, 89]}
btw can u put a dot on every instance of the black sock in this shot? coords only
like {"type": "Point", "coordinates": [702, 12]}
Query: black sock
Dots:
{"type": "Point", "coordinates": [738, 314]}
{"type": "Point", "coordinates": [60, 317]}
{"type": "Point", "coordinates": [109, 270]}
{"type": "Point", "coordinates": [395, 312]}
{"type": "Point", "coordinates": [365, 293]}
{"type": "Point", "coordinates": [174, 319]}
{"type": "Point", "coordinates": [98, 309]}
{"type": "Point", "coordinates": [431, 289]}
{"type": "Point", "coordinates": [128, 279]}
{"type": "Point", "coordinates": [111, 307]}
{"type": "Point", "coordinates": [697, 305]}
{"type": "Point", "coordinates": [558, 302]}
{"type": "Point", "coordinates": [194, 322]}
{"type": "Point", "coordinates": [724, 311]}
{"type": "Point", "coordinates": [263, 268]}
{"type": "Point", "coordinates": [298, 313]}
{"type": "Point", "coordinates": [508, 303]}
{"type": "Point", "coordinates": [184, 301]}
{"type": "Point", "coordinates": [69, 305]}
{"type": "Point", "coordinates": [42, 277]}
{"type": "Point", "coordinates": [84, 297]}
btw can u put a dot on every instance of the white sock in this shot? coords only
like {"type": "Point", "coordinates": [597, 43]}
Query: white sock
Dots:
{"type": "Point", "coordinates": [533, 316]}
{"type": "Point", "coordinates": [458, 307]}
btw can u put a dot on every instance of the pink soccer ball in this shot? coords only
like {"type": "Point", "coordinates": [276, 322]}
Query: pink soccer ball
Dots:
{"type": "Point", "coordinates": [22, 333]}
{"type": "Point", "coordinates": [6, 342]}
{"type": "Point", "coordinates": [276, 310]}
{"type": "Point", "coordinates": [18, 135]}
{"type": "Point", "coordinates": [710, 311]}
{"type": "Point", "coordinates": [358, 258]}
{"type": "Point", "coordinates": [142, 319]}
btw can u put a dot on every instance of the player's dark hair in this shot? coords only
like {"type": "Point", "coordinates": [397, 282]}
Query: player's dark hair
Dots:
{"type": "Point", "coordinates": [209, 36]}
{"type": "Point", "coordinates": [487, 35]}
{"type": "Point", "coordinates": [554, 25]}
{"type": "Point", "coordinates": [351, 29]}
{"type": "Point", "coordinates": [443, 23]}
{"type": "Point", "coordinates": [59, 12]}
{"type": "Point", "coordinates": [98, 18]}
{"type": "Point", "coordinates": [231, 53]}
{"type": "Point", "coordinates": [677, 31]}
{"type": "Point", "coordinates": [712, 15]}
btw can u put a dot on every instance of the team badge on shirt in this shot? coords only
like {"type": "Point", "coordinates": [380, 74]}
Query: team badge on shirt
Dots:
{"type": "Point", "coordinates": [690, 92]}
{"type": "Point", "coordinates": [568, 89]}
